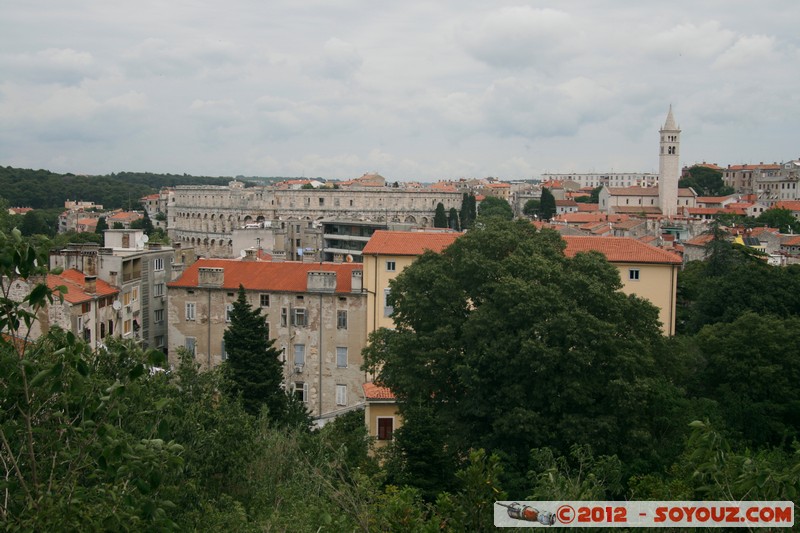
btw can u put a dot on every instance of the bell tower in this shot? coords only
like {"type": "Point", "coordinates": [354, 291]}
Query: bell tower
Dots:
{"type": "Point", "coordinates": [669, 169]}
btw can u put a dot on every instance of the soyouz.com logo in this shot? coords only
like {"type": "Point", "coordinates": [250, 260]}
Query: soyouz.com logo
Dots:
{"type": "Point", "coordinates": [750, 514]}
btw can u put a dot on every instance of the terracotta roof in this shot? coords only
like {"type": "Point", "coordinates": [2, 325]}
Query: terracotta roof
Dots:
{"type": "Point", "coordinates": [289, 276]}
{"type": "Point", "coordinates": [620, 250]}
{"type": "Point", "coordinates": [377, 392]}
{"type": "Point", "coordinates": [636, 209]}
{"type": "Point", "coordinates": [499, 185]}
{"type": "Point", "coordinates": [408, 242]}
{"type": "Point", "coordinates": [583, 218]}
{"type": "Point", "coordinates": [150, 197]}
{"type": "Point", "coordinates": [772, 166]}
{"type": "Point", "coordinates": [711, 199]}
{"type": "Point", "coordinates": [587, 208]}
{"type": "Point", "coordinates": [566, 203]}
{"type": "Point", "coordinates": [791, 241]}
{"type": "Point", "coordinates": [125, 215]}
{"type": "Point", "coordinates": [75, 283]}
{"type": "Point", "coordinates": [791, 205]}
{"type": "Point", "coordinates": [633, 191]}
{"type": "Point", "coordinates": [708, 165]}
{"type": "Point", "coordinates": [701, 240]}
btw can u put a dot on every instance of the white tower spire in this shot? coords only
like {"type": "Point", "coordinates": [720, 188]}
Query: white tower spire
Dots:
{"type": "Point", "coordinates": [669, 169]}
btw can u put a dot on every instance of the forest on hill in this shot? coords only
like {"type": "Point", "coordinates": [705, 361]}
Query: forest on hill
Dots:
{"type": "Point", "coordinates": [42, 189]}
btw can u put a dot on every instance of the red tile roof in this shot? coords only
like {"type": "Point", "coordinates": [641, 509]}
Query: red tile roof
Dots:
{"type": "Point", "coordinates": [583, 218]}
{"type": "Point", "coordinates": [289, 276]}
{"type": "Point", "coordinates": [711, 199]}
{"type": "Point", "coordinates": [584, 207]}
{"type": "Point", "coordinates": [772, 166]}
{"type": "Point", "coordinates": [633, 191]}
{"type": "Point", "coordinates": [75, 283]}
{"type": "Point", "coordinates": [619, 250]}
{"type": "Point", "coordinates": [791, 205]}
{"type": "Point", "coordinates": [377, 392]}
{"type": "Point", "coordinates": [791, 241]}
{"type": "Point", "coordinates": [385, 242]}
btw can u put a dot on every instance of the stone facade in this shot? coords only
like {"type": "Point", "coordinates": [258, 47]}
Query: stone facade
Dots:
{"type": "Point", "coordinates": [315, 313]}
{"type": "Point", "coordinates": [206, 216]}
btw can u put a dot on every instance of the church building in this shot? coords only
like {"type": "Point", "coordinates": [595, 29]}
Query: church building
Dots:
{"type": "Point", "coordinates": [662, 200]}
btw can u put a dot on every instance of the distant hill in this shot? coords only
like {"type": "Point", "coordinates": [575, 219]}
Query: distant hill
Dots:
{"type": "Point", "coordinates": [42, 189]}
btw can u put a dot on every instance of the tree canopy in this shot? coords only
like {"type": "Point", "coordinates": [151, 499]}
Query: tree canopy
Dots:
{"type": "Point", "coordinates": [492, 206]}
{"type": "Point", "coordinates": [547, 206]}
{"type": "Point", "coordinates": [515, 346]}
{"type": "Point", "coordinates": [440, 216]}
{"type": "Point", "coordinates": [705, 181]}
{"type": "Point", "coordinates": [253, 361]}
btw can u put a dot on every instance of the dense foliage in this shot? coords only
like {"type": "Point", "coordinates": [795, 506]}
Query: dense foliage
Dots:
{"type": "Point", "coordinates": [524, 375]}
{"type": "Point", "coordinates": [705, 181]}
{"type": "Point", "coordinates": [43, 189]}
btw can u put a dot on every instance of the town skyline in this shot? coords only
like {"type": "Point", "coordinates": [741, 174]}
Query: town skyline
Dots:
{"type": "Point", "coordinates": [414, 92]}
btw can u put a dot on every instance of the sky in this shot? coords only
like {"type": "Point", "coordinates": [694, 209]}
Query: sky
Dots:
{"type": "Point", "coordinates": [414, 90]}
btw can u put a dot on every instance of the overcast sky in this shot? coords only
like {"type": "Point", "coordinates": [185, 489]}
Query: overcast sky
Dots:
{"type": "Point", "coordinates": [414, 90]}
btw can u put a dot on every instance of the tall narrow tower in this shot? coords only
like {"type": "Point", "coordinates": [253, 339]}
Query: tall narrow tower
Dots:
{"type": "Point", "coordinates": [669, 169]}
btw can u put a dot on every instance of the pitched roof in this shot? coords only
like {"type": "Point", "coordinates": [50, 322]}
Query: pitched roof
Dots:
{"type": "Point", "coordinates": [75, 282]}
{"type": "Point", "coordinates": [377, 392]}
{"type": "Point", "coordinates": [386, 242]}
{"type": "Point", "coordinates": [584, 207]}
{"type": "Point", "coordinates": [791, 205]}
{"type": "Point", "coordinates": [711, 199]}
{"type": "Point", "coordinates": [791, 241]}
{"type": "Point", "coordinates": [289, 276]}
{"type": "Point", "coordinates": [633, 191]}
{"type": "Point", "coordinates": [620, 250]}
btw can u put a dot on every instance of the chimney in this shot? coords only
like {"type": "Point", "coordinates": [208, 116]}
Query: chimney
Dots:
{"type": "Point", "coordinates": [321, 282]}
{"type": "Point", "coordinates": [90, 284]}
{"type": "Point", "coordinates": [210, 276]}
{"type": "Point", "coordinates": [357, 281]}
{"type": "Point", "coordinates": [249, 255]}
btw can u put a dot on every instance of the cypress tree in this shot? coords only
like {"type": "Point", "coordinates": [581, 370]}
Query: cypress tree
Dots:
{"type": "Point", "coordinates": [253, 361]}
{"type": "Point", "coordinates": [440, 218]}
{"type": "Point", "coordinates": [453, 219]}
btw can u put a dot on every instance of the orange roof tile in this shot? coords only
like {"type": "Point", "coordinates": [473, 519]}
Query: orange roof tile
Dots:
{"type": "Point", "coordinates": [791, 205]}
{"type": "Point", "coordinates": [711, 199]}
{"type": "Point", "coordinates": [701, 240]}
{"type": "Point", "coordinates": [377, 392]}
{"type": "Point", "coordinates": [583, 218]}
{"type": "Point", "coordinates": [633, 191]}
{"type": "Point", "coordinates": [408, 242]}
{"type": "Point", "coordinates": [75, 282]}
{"type": "Point", "coordinates": [791, 241]}
{"type": "Point", "coordinates": [289, 276]}
{"type": "Point", "coordinates": [619, 250]}
{"type": "Point", "coordinates": [584, 207]}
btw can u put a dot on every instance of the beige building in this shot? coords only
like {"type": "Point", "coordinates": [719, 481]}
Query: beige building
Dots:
{"type": "Point", "coordinates": [315, 313]}
{"type": "Point", "coordinates": [386, 255]}
{"type": "Point", "coordinates": [380, 413]}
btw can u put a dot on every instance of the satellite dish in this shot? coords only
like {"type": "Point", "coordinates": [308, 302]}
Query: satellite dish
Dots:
{"type": "Point", "coordinates": [242, 253]}
{"type": "Point", "coordinates": [348, 258]}
{"type": "Point", "coordinates": [116, 305]}
{"type": "Point", "coordinates": [145, 238]}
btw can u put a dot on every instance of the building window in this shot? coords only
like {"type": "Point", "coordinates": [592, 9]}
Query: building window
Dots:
{"type": "Point", "coordinates": [299, 354]}
{"type": "Point", "coordinates": [158, 316]}
{"type": "Point", "coordinates": [264, 300]}
{"type": "Point", "coordinates": [341, 356]}
{"type": "Point", "coordinates": [190, 310]}
{"type": "Point", "coordinates": [341, 319]}
{"type": "Point", "coordinates": [135, 294]}
{"type": "Point", "coordinates": [158, 264]}
{"type": "Point", "coordinates": [191, 345]}
{"type": "Point", "coordinates": [391, 266]}
{"type": "Point", "coordinates": [86, 307]}
{"type": "Point", "coordinates": [126, 298]}
{"type": "Point", "coordinates": [300, 391]}
{"type": "Point", "coordinates": [387, 309]}
{"type": "Point", "coordinates": [159, 340]}
{"type": "Point", "coordinates": [158, 289]}
{"type": "Point", "coordinates": [385, 428]}
{"type": "Point", "coordinates": [127, 327]}
{"type": "Point", "coordinates": [341, 394]}
{"type": "Point", "coordinates": [633, 274]}
{"type": "Point", "coordinates": [299, 317]}
{"type": "Point", "coordinates": [228, 311]}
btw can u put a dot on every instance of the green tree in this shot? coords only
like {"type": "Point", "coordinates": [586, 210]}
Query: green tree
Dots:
{"type": "Point", "coordinates": [547, 207]}
{"type": "Point", "coordinates": [33, 223]}
{"type": "Point", "coordinates": [503, 301]}
{"type": "Point", "coordinates": [491, 206]}
{"type": "Point", "coordinates": [468, 211]}
{"type": "Point", "coordinates": [532, 207]}
{"type": "Point", "coordinates": [102, 225]}
{"type": "Point", "coordinates": [253, 361]}
{"type": "Point", "coordinates": [452, 220]}
{"type": "Point", "coordinates": [440, 217]}
{"type": "Point", "coordinates": [705, 181]}
{"type": "Point", "coordinates": [783, 219]}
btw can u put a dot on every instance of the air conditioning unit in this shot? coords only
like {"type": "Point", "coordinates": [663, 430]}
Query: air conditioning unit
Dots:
{"type": "Point", "coordinates": [298, 369]}
{"type": "Point", "coordinates": [127, 308]}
